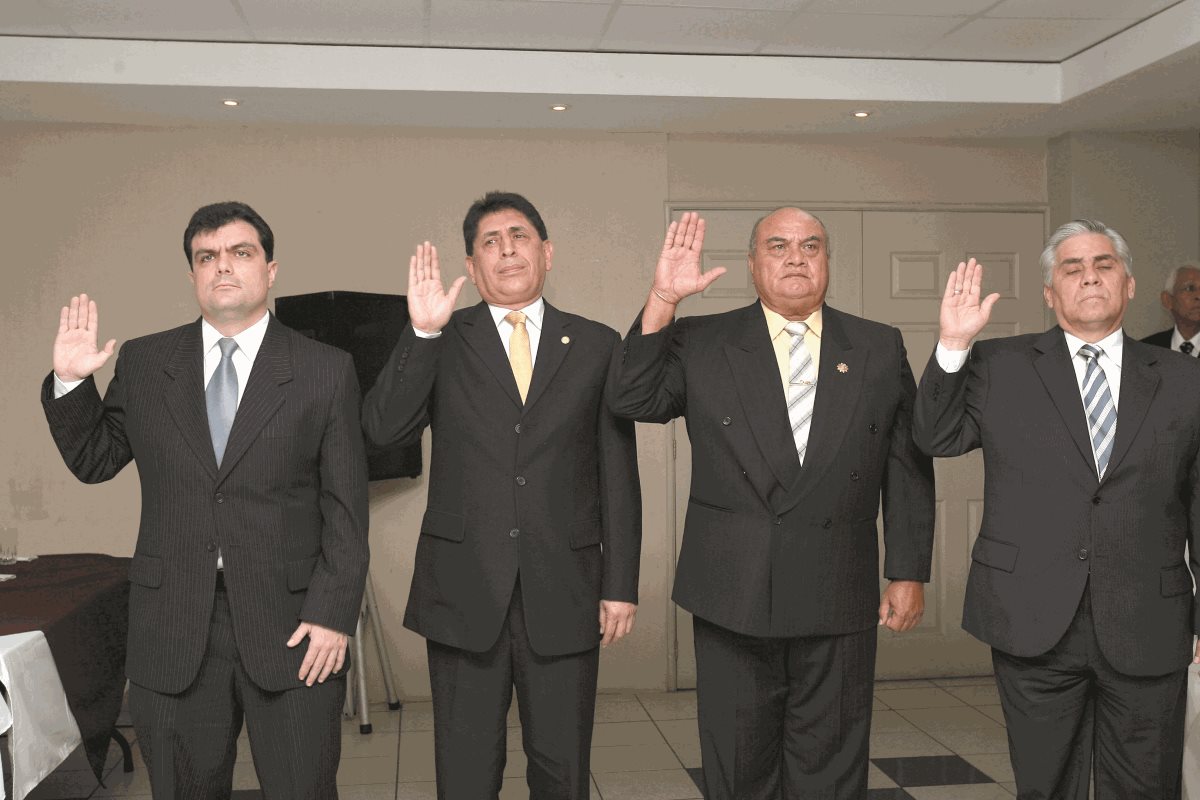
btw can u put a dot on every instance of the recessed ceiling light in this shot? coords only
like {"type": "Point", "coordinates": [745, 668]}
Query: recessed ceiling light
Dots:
{"type": "Point", "coordinates": [559, 107]}
{"type": "Point", "coordinates": [231, 102]}
{"type": "Point", "coordinates": [862, 114]}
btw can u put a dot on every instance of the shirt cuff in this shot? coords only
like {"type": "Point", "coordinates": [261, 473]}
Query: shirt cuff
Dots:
{"type": "Point", "coordinates": [62, 387]}
{"type": "Point", "coordinates": [426, 334]}
{"type": "Point", "coordinates": [951, 361]}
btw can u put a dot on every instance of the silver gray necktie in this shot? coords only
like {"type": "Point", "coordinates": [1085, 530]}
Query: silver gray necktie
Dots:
{"type": "Point", "coordinates": [802, 387]}
{"type": "Point", "coordinates": [1101, 410]}
{"type": "Point", "coordinates": [221, 396]}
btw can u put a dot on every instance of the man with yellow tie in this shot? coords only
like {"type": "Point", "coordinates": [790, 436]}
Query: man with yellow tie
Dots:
{"type": "Point", "coordinates": [533, 524]}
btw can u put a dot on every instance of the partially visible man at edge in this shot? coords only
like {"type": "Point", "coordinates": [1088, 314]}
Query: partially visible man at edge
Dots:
{"type": "Point", "coordinates": [1181, 298]}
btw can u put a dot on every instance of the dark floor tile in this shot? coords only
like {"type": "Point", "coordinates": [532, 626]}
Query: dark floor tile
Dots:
{"type": "Point", "coordinates": [888, 794]}
{"type": "Point", "coordinates": [930, 771]}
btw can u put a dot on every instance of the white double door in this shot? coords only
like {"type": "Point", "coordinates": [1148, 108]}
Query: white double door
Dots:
{"type": "Point", "coordinates": [891, 266]}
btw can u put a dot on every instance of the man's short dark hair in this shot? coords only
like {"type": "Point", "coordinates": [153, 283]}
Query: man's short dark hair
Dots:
{"type": "Point", "coordinates": [492, 202]}
{"type": "Point", "coordinates": [218, 215]}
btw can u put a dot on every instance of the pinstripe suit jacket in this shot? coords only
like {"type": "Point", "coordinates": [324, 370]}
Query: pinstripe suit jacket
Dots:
{"type": "Point", "coordinates": [287, 507]}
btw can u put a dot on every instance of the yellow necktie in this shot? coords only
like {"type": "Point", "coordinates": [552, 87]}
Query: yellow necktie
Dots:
{"type": "Point", "coordinates": [518, 352]}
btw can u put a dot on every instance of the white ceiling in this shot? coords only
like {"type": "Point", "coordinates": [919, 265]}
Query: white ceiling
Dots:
{"type": "Point", "coordinates": [923, 67]}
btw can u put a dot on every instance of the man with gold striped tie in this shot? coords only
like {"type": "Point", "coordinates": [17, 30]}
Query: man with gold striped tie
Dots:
{"type": "Point", "coordinates": [529, 548]}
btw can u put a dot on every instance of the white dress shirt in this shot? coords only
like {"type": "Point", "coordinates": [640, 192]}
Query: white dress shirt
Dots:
{"type": "Point", "coordinates": [1113, 347]}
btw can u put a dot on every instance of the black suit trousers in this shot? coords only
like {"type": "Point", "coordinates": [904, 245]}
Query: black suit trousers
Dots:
{"type": "Point", "coordinates": [556, 698]}
{"type": "Point", "coordinates": [784, 718]}
{"type": "Point", "coordinates": [1069, 713]}
{"type": "Point", "coordinates": [189, 740]}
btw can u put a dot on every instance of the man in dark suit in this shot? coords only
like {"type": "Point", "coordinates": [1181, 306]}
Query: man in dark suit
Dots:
{"type": "Point", "coordinates": [533, 525]}
{"type": "Point", "coordinates": [1181, 298]}
{"type": "Point", "coordinates": [253, 531]}
{"type": "Point", "coordinates": [1078, 580]}
{"type": "Point", "coordinates": [799, 417]}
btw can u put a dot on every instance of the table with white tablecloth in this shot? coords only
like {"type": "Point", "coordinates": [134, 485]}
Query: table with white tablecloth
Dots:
{"type": "Point", "coordinates": [41, 729]}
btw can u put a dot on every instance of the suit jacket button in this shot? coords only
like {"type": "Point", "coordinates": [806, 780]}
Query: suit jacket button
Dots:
{"type": "Point", "coordinates": [726, 421]}
{"type": "Point", "coordinates": [517, 427]}
{"type": "Point", "coordinates": [779, 520]}
{"type": "Point", "coordinates": [827, 524]}
{"type": "Point", "coordinates": [853, 476]}
{"type": "Point", "coordinates": [514, 533]}
{"type": "Point", "coordinates": [210, 547]}
{"type": "Point", "coordinates": [220, 498]}
{"type": "Point", "coordinates": [873, 428]}
{"type": "Point", "coordinates": [520, 481]}
{"type": "Point", "coordinates": [1096, 501]}
{"type": "Point", "coordinates": [1083, 554]}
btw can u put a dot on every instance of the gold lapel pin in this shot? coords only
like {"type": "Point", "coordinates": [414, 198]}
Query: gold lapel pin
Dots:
{"type": "Point", "coordinates": [843, 368]}
{"type": "Point", "coordinates": [566, 340]}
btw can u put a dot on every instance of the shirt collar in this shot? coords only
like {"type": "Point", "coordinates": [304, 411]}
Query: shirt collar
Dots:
{"type": "Point", "coordinates": [776, 322]}
{"type": "Point", "coordinates": [1113, 345]}
{"type": "Point", "coordinates": [1177, 339]}
{"type": "Point", "coordinates": [248, 341]}
{"type": "Point", "coordinates": [533, 313]}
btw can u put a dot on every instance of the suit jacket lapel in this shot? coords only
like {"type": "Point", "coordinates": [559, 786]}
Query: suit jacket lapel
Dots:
{"type": "Point", "coordinates": [262, 397]}
{"type": "Point", "coordinates": [478, 330]}
{"type": "Point", "coordinates": [839, 385]}
{"type": "Point", "coordinates": [184, 395]}
{"type": "Point", "coordinates": [1138, 385]}
{"type": "Point", "coordinates": [1053, 365]}
{"type": "Point", "coordinates": [551, 352]}
{"type": "Point", "coordinates": [751, 359]}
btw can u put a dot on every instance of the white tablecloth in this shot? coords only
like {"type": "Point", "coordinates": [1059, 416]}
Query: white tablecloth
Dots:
{"type": "Point", "coordinates": [43, 730]}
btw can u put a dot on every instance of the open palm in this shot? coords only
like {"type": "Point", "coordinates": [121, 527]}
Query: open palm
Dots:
{"type": "Point", "coordinates": [678, 272]}
{"type": "Point", "coordinates": [429, 304]}
{"type": "Point", "coordinates": [963, 315]}
{"type": "Point", "coordinates": [75, 353]}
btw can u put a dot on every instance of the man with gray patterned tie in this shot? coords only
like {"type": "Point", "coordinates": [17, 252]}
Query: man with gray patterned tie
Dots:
{"type": "Point", "coordinates": [1078, 577]}
{"type": "Point", "coordinates": [252, 552]}
{"type": "Point", "coordinates": [800, 421]}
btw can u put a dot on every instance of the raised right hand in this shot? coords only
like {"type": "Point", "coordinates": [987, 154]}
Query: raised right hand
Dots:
{"type": "Point", "coordinates": [678, 272]}
{"type": "Point", "coordinates": [429, 304]}
{"type": "Point", "coordinates": [75, 353]}
{"type": "Point", "coordinates": [963, 315]}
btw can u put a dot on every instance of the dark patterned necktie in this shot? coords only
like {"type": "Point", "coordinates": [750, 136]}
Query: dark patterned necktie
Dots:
{"type": "Point", "coordinates": [1098, 402]}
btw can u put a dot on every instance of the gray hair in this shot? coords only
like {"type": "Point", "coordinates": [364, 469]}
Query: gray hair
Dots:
{"type": "Point", "coordinates": [757, 222]}
{"type": "Point", "coordinates": [1173, 276]}
{"type": "Point", "coordinates": [1049, 256]}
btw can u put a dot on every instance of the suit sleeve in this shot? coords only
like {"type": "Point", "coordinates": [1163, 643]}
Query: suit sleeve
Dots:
{"type": "Point", "coordinates": [949, 407]}
{"type": "Point", "coordinates": [647, 382]}
{"type": "Point", "coordinates": [89, 432]}
{"type": "Point", "coordinates": [336, 588]}
{"type": "Point", "coordinates": [396, 410]}
{"type": "Point", "coordinates": [907, 490]}
{"type": "Point", "coordinates": [620, 502]}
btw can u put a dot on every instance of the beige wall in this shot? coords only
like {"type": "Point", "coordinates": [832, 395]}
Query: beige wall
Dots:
{"type": "Point", "coordinates": [101, 210]}
{"type": "Point", "coordinates": [1147, 187]}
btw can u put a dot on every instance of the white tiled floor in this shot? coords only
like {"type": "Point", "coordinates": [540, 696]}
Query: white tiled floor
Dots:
{"type": "Point", "coordinates": [642, 746]}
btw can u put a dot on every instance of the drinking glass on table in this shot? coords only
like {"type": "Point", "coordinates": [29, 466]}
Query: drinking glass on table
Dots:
{"type": "Point", "coordinates": [8, 544]}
